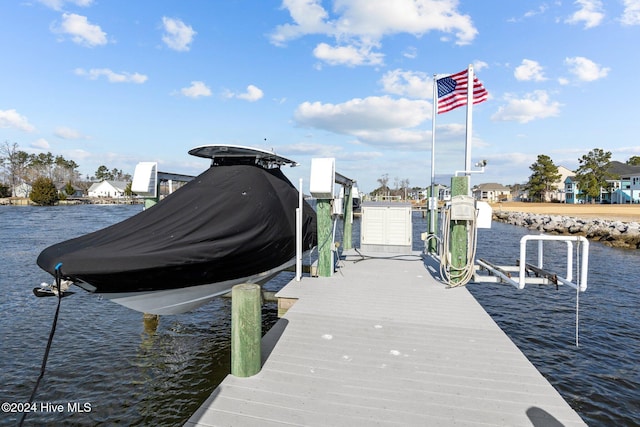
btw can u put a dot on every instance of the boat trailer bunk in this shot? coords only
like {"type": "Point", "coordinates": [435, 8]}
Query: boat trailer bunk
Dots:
{"type": "Point", "coordinates": [525, 273]}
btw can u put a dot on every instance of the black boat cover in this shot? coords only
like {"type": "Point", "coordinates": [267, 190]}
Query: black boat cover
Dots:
{"type": "Point", "coordinates": [229, 222]}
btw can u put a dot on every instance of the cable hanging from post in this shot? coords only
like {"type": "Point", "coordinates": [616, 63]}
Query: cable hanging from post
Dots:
{"type": "Point", "coordinates": [58, 280]}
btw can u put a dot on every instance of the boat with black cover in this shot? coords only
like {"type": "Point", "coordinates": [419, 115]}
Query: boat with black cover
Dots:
{"type": "Point", "coordinates": [234, 223]}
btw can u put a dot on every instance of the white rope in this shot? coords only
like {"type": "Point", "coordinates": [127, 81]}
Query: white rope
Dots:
{"type": "Point", "coordinates": [464, 274]}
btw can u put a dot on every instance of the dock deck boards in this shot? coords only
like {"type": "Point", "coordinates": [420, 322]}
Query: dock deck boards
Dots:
{"type": "Point", "coordinates": [384, 343]}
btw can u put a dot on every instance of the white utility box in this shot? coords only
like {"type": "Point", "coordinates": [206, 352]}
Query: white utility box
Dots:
{"type": "Point", "coordinates": [145, 179]}
{"type": "Point", "coordinates": [485, 215]}
{"type": "Point", "coordinates": [323, 176]}
{"type": "Point", "coordinates": [463, 208]}
{"type": "Point", "coordinates": [386, 227]}
{"type": "Point", "coordinates": [337, 206]}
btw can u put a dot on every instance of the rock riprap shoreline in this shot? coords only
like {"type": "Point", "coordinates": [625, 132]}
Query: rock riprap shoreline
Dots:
{"type": "Point", "coordinates": [616, 234]}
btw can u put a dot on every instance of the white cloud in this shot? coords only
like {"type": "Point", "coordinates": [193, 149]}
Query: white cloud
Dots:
{"type": "Point", "coordinates": [410, 53]}
{"type": "Point", "coordinates": [196, 90]}
{"type": "Point", "coordinates": [631, 14]}
{"type": "Point", "coordinates": [41, 144]}
{"type": "Point", "coordinates": [632, 150]}
{"type": "Point", "coordinates": [585, 69]}
{"type": "Point", "coordinates": [312, 149]}
{"type": "Point", "coordinates": [536, 105]}
{"type": "Point", "coordinates": [347, 55]}
{"type": "Point", "coordinates": [479, 65]}
{"type": "Point", "coordinates": [309, 18]}
{"type": "Point", "coordinates": [589, 12]}
{"type": "Point", "coordinates": [358, 114]}
{"type": "Point", "coordinates": [414, 84]}
{"type": "Point", "coordinates": [12, 119]}
{"type": "Point", "coordinates": [529, 70]}
{"type": "Point", "coordinates": [81, 30]}
{"type": "Point", "coordinates": [178, 35]}
{"type": "Point", "coordinates": [68, 133]}
{"type": "Point", "coordinates": [112, 77]}
{"type": "Point", "coordinates": [252, 94]}
{"type": "Point", "coordinates": [58, 4]}
{"type": "Point", "coordinates": [359, 25]}
{"type": "Point", "coordinates": [379, 121]}
{"type": "Point", "coordinates": [539, 11]}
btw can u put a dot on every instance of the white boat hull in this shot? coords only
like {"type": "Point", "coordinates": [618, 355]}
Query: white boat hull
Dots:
{"type": "Point", "coordinates": [181, 300]}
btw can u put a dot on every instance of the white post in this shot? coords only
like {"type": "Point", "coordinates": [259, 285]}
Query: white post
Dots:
{"type": "Point", "coordinates": [299, 211]}
{"type": "Point", "coordinates": [430, 203]}
{"type": "Point", "coordinates": [467, 157]}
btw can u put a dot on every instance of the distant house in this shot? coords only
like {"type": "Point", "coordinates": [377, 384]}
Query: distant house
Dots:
{"type": "Point", "coordinates": [22, 190]}
{"type": "Point", "coordinates": [622, 189]}
{"type": "Point", "coordinates": [559, 191]}
{"type": "Point", "coordinates": [112, 189]}
{"type": "Point", "coordinates": [492, 192]}
{"type": "Point", "coordinates": [443, 192]}
{"type": "Point", "coordinates": [571, 190]}
{"type": "Point", "coordinates": [62, 188]}
{"type": "Point", "coordinates": [634, 188]}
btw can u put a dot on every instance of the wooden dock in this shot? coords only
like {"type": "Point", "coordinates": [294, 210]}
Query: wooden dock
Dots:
{"type": "Point", "coordinates": [384, 343]}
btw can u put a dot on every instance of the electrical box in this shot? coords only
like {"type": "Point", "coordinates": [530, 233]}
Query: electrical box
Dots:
{"type": "Point", "coordinates": [485, 215]}
{"type": "Point", "coordinates": [337, 206]}
{"type": "Point", "coordinates": [386, 227]}
{"type": "Point", "coordinates": [463, 208]}
{"type": "Point", "coordinates": [432, 203]}
{"type": "Point", "coordinates": [145, 179]}
{"type": "Point", "coordinates": [323, 176]}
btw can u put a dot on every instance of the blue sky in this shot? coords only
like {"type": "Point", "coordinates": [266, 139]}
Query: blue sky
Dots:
{"type": "Point", "coordinates": [116, 82]}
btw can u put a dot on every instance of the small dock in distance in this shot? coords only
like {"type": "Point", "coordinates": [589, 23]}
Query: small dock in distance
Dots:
{"type": "Point", "coordinates": [382, 342]}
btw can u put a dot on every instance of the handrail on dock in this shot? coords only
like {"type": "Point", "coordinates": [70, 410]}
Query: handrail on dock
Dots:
{"type": "Point", "coordinates": [523, 279]}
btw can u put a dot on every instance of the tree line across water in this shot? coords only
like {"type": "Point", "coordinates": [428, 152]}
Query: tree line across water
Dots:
{"type": "Point", "coordinates": [43, 171]}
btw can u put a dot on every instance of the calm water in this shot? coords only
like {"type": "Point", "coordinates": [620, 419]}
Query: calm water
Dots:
{"type": "Point", "coordinates": [134, 373]}
{"type": "Point", "coordinates": [601, 378]}
{"type": "Point", "coordinates": [130, 372]}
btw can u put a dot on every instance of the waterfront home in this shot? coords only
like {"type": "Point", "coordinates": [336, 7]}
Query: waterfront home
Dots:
{"type": "Point", "coordinates": [492, 192]}
{"type": "Point", "coordinates": [106, 188]}
{"type": "Point", "coordinates": [62, 188]}
{"type": "Point", "coordinates": [624, 187]}
{"type": "Point", "coordinates": [557, 192]}
{"type": "Point", "coordinates": [634, 188]}
{"type": "Point", "coordinates": [22, 190]}
{"type": "Point", "coordinates": [571, 190]}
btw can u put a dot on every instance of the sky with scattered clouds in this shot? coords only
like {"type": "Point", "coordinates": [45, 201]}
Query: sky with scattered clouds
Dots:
{"type": "Point", "coordinates": [117, 82]}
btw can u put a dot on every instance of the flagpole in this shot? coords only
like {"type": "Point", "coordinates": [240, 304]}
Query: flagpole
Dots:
{"type": "Point", "coordinates": [431, 202]}
{"type": "Point", "coordinates": [467, 157]}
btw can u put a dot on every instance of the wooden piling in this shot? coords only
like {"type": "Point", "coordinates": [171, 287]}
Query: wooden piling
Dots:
{"type": "Point", "coordinates": [150, 322]}
{"type": "Point", "coordinates": [459, 232]}
{"type": "Point", "coordinates": [325, 238]}
{"type": "Point", "coordinates": [246, 330]}
{"type": "Point", "coordinates": [347, 218]}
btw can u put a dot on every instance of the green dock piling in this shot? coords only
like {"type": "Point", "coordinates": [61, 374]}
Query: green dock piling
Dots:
{"type": "Point", "coordinates": [246, 330]}
{"type": "Point", "coordinates": [325, 238]}
{"type": "Point", "coordinates": [347, 217]}
{"type": "Point", "coordinates": [459, 232]}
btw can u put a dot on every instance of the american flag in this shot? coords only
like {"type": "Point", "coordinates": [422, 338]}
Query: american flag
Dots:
{"type": "Point", "coordinates": [452, 91]}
